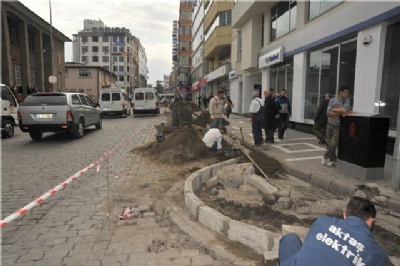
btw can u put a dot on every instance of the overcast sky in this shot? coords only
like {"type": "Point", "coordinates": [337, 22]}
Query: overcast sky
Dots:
{"type": "Point", "coordinates": [150, 20]}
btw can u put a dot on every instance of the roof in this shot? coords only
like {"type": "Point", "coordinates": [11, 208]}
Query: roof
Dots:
{"type": "Point", "coordinates": [80, 65]}
{"type": "Point", "coordinates": [21, 9]}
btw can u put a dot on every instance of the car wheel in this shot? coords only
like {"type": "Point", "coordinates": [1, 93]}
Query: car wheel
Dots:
{"type": "Point", "coordinates": [8, 129]}
{"type": "Point", "coordinates": [100, 124]}
{"type": "Point", "coordinates": [79, 130]}
{"type": "Point", "coordinates": [36, 135]}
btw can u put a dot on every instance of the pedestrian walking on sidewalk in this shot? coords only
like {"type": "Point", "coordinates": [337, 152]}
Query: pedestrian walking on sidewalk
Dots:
{"type": "Point", "coordinates": [213, 138]}
{"type": "Point", "coordinates": [321, 119]}
{"type": "Point", "coordinates": [284, 113]}
{"type": "Point", "coordinates": [216, 110]}
{"type": "Point", "coordinates": [257, 118]}
{"type": "Point", "coordinates": [228, 106]}
{"type": "Point", "coordinates": [333, 242]}
{"type": "Point", "coordinates": [271, 115]}
{"type": "Point", "coordinates": [205, 102]}
{"type": "Point", "coordinates": [339, 106]}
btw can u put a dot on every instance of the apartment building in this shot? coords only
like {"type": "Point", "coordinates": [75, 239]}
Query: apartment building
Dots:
{"type": "Point", "coordinates": [89, 79]}
{"type": "Point", "coordinates": [311, 48]}
{"type": "Point", "coordinates": [217, 45]}
{"type": "Point", "coordinates": [185, 48]}
{"type": "Point", "coordinates": [27, 59]}
{"type": "Point", "coordinates": [114, 49]}
{"type": "Point", "coordinates": [197, 57]}
{"type": "Point", "coordinates": [175, 46]}
{"type": "Point", "coordinates": [143, 70]}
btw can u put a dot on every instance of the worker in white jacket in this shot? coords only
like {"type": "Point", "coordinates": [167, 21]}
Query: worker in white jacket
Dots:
{"type": "Point", "coordinates": [213, 138]}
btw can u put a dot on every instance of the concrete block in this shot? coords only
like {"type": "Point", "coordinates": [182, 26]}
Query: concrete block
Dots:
{"type": "Point", "coordinates": [188, 186]}
{"type": "Point", "coordinates": [360, 193]}
{"type": "Point", "coordinates": [212, 219]}
{"type": "Point", "coordinates": [149, 214]}
{"type": "Point", "coordinates": [192, 202]}
{"type": "Point", "coordinates": [393, 204]}
{"type": "Point", "coordinates": [292, 170]}
{"type": "Point", "coordinates": [194, 177]}
{"type": "Point", "coordinates": [261, 184]}
{"type": "Point", "coordinates": [302, 207]}
{"type": "Point", "coordinates": [250, 190]}
{"type": "Point", "coordinates": [394, 260]}
{"type": "Point", "coordinates": [284, 203]}
{"type": "Point", "coordinates": [204, 176]}
{"type": "Point", "coordinates": [212, 182]}
{"type": "Point", "coordinates": [301, 231]}
{"type": "Point", "coordinates": [339, 188]}
{"type": "Point", "coordinates": [320, 181]}
{"type": "Point", "coordinates": [269, 200]}
{"type": "Point", "coordinates": [256, 238]}
{"type": "Point", "coordinates": [270, 256]}
{"type": "Point", "coordinates": [249, 171]}
{"type": "Point", "coordinates": [215, 168]}
{"type": "Point", "coordinates": [282, 193]}
{"type": "Point", "coordinates": [381, 200]}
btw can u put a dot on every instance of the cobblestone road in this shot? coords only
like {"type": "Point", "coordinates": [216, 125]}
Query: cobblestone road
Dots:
{"type": "Point", "coordinates": [71, 227]}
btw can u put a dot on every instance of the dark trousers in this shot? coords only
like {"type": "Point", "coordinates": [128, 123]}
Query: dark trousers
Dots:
{"type": "Point", "coordinates": [320, 131]}
{"type": "Point", "coordinates": [283, 124]}
{"type": "Point", "coordinates": [257, 126]}
{"type": "Point", "coordinates": [269, 135]}
{"type": "Point", "coordinates": [289, 245]}
{"type": "Point", "coordinates": [214, 147]}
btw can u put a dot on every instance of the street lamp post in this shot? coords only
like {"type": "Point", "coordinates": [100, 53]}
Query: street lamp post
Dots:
{"type": "Point", "coordinates": [51, 47]}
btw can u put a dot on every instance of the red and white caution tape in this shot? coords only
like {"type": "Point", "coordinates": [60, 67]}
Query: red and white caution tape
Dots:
{"type": "Point", "coordinates": [62, 185]}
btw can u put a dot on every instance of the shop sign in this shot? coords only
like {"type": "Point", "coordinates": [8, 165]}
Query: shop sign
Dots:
{"type": "Point", "coordinates": [232, 74]}
{"type": "Point", "coordinates": [272, 58]}
{"type": "Point", "coordinates": [202, 83]}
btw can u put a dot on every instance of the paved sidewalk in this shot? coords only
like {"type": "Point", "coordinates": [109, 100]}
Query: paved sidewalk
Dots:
{"type": "Point", "coordinates": [300, 155]}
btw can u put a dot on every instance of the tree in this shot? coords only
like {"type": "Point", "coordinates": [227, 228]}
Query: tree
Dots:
{"type": "Point", "coordinates": [159, 87]}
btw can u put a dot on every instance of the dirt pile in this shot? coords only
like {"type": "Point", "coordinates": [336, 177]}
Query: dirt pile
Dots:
{"type": "Point", "coordinates": [269, 165]}
{"type": "Point", "coordinates": [204, 118]}
{"type": "Point", "coordinates": [179, 147]}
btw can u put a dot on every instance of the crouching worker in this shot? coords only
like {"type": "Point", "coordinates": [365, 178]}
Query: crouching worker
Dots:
{"type": "Point", "coordinates": [333, 241]}
{"type": "Point", "coordinates": [213, 138]}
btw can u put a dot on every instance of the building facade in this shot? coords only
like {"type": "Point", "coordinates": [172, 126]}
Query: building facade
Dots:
{"type": "Point", "coordinates": [217, 45]}
{"type": "Point", "coordinates": [143, 70]}
{"type": "Point", "coordinates": [114, 49]}
{"type": "Point", "coordinates": [175, 46]}
{"type": "Point", "coordinates": [89, 79]}
{"type": "Point", "coordinates": [197, 57]}
{"type": "Point", "coordinates": [185, 48]}
{"type": "Point", "coordinates": [27, 58]}
{"type": "Point", "coordinates": [312, 48]}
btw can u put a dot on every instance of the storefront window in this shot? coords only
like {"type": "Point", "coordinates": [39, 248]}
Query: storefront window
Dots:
{"type": "Point", "coordinates": [327, 69]}
{"type": "Point", "coordinates": [281, 77]}
{"type": "Point", "coordinates": [391, 75]}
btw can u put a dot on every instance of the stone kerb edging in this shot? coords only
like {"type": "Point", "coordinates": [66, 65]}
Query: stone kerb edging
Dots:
{"type": "Point", "coordinates": [260, 240]}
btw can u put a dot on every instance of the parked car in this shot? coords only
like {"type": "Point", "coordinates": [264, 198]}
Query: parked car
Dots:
{"type": "Point", "coordinates": [114, 101]}
{"type": "Point", "coordinates": [145, 101]}
{"type": "Point", "coordinates": [8, 107]}
{"type": "Point", "coordinates": [58, 112]}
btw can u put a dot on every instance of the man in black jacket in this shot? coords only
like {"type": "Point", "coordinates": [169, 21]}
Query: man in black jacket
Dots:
{"type": "Point", "coordinates": [321, 119]}
{"type": "Point", "coordinates": [284, 113]}
{"type": "Point", "coordinates": [271, 114]}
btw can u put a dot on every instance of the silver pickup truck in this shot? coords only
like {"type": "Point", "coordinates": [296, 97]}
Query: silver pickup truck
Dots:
{"type": "Point", "coordinates": [58, 112]}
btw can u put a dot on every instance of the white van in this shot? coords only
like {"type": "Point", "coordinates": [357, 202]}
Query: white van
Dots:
{"type": "Point", "coordinates": [145, 101]}
{"type": "Point", "coordinates": [9, 110]}
{"type": "Point", "coordinates": [114, 101]}
{"type": "Point", "coordinates": [167, 98]}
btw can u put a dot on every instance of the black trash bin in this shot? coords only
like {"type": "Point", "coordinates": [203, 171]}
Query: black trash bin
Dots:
{"type": "Point", "coordinates": [362, 145]}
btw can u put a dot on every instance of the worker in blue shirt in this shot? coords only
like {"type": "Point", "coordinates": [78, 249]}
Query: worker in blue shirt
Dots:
{"type": "Point", "coordinates": [333, 242]}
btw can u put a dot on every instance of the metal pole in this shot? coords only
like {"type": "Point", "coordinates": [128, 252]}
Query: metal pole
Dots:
{"type": "Point", "coordinates": [108, 195]}
{"type": "Point", "coordinates": [51, 46]}
{"type": "Point", "coordinates": [396, 156]}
